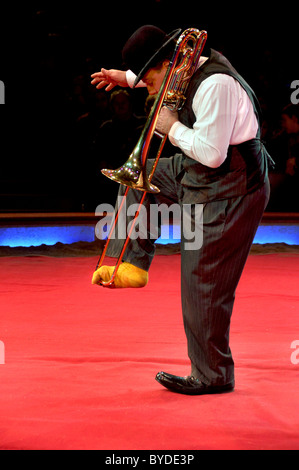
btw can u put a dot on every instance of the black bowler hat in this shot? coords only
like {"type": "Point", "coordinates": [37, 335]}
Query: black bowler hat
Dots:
{"type": "Point", "coordinates": [146, 47]}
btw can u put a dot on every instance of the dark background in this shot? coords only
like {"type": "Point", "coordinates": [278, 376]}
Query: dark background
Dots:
{"type": "Point", "coordinates": [48, 53]}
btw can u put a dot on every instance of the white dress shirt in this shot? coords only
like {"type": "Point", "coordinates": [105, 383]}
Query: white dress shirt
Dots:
{"type": "Point", "coordinates": [224, 116]}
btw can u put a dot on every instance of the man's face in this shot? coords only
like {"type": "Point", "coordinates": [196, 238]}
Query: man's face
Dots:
{"type": "Point", "coordinates": [154, 78]}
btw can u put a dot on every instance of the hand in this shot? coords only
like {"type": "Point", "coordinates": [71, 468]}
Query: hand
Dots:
{"type": "Point", "coordinates": [109, 79]}
{"type": "Point", "coordinates": [166, 119]}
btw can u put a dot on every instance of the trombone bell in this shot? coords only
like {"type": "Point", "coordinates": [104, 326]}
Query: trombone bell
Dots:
{"type": "Point", "coordinates": [132, 174]}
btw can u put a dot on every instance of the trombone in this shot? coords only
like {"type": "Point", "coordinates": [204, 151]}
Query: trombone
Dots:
{"type": "Point", "coordinates": [172, 94]}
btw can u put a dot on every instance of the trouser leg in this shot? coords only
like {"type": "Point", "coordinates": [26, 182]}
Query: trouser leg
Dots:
{"type": "Point", "coordinates": [210, 276]}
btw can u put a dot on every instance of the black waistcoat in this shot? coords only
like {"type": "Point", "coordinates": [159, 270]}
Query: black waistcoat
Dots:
{"type": "Point", "coordinates": [245, 168]}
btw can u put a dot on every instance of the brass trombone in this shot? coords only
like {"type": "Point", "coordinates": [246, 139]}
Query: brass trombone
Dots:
{"type": "Point", "coordinates": [132, 174]}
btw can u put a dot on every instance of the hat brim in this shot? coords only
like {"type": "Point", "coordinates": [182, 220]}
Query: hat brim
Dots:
{"type": "Point", "coordinates": [154, 57]}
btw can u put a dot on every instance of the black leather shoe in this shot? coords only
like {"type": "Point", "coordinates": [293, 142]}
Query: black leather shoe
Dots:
{"type": "Point", "coordinates": [190, 385]}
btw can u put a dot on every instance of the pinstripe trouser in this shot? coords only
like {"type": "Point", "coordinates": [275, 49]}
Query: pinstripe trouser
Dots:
{"type": "Point", "coordinates": [209, 275]}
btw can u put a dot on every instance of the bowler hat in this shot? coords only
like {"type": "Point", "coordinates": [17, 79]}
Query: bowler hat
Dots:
{"type": "Point", "coordinates": [146, 47]}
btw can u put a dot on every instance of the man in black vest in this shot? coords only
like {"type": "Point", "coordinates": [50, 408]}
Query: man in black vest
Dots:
{"type": "Point", "coordinates": [222, 167]}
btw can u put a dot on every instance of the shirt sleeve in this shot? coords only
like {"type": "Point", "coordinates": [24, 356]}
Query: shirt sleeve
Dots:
{"type": "Point", "coordinates": [215, 106]}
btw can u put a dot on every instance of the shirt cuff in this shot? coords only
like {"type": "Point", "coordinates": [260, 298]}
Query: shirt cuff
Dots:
{"type": "Point", "coordinates": [181, 136]}
{"type": "Point", "coordinates": [131, 77]}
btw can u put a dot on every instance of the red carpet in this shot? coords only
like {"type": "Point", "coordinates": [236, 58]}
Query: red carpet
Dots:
{"type": "Point", "coordinates": [80, 360]}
